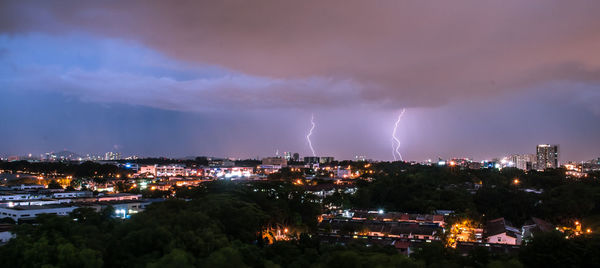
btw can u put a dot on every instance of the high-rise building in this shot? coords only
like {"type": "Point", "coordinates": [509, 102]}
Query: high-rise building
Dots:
{"type": "Point", "coordinates": [296, 157]}
{"type": "Point", "coordinates": [523, 161]}
{"type": "Point", "coordinates": [112, 156]}
{"type": "Point", "coordinates": [311, 159]}
{"type": "Point", "coordinates": [287, 156]}
{"type": "Point", "coordinates": [546, 156]}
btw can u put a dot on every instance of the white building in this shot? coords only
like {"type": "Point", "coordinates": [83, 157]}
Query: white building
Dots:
{"type": "Point", "coordinates": [498, 232]}
{"type": "Point", "coordinates": [72, 194]}
{"type": "Point", "coordinates": [30, 212]}
{"type": "Point", "coordinates": [14, 196]}
{"type": "Point", "coordinates": [523, 161]}
{"type": "Point", "coordinates": [162, 171]}
{"type": "Point", "coordinates": [119, 197]}
{"type": "Point", "coordinates": [33, 202]}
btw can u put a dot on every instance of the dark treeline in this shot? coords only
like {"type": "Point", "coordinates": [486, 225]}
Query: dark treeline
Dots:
{"type": "Point", "coordinates": [75, 169]}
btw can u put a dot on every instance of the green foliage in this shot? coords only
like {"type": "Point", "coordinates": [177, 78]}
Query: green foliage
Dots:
{"type": "Point", "coordinates": [554, 250]}
{"type": "Point", "coordinates": [220, 227]}
{"type": "Point", "coordinates": [220, 224]}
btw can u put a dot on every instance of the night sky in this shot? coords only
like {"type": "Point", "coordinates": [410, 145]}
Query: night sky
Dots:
{"type": "Point", "coordinates": [478, 79]}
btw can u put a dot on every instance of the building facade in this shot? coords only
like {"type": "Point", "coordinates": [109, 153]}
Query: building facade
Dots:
{"type": "Point", "coordinates": [546, 156]}
{"type": "Point", "coordinates": [524, 161]}
{"type": "Point", "coordinates": [274, 161]}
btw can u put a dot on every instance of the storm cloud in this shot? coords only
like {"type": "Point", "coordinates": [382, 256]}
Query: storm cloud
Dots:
{"type": "Point", "coordinates": [354, 56]}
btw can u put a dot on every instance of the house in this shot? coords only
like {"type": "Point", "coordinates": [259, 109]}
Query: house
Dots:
{"type": "Point", "coordinates": [535, 225]}
{"type": "Point", "coordinates": [403, 247]}
{"type": "Point", "coordinates": [497, 231]}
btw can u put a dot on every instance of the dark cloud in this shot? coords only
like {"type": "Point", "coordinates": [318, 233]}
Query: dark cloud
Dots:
{"type": "Point", "coordinates": [238, 78]}
{"type": "Point", "coordinates": [411, 53]}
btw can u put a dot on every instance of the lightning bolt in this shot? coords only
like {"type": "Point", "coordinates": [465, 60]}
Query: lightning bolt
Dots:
{"type": "Point", "coordinates": [312, 122]}
{"type": "Point", "coordinates": [395, 140]}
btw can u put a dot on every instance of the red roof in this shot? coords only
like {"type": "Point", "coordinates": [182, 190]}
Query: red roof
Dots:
{"type": "Point", "coordinates": [401, 244]}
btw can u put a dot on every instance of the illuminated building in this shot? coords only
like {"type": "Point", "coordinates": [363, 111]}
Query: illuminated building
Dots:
{"type": "Point", "coordinates": [31, 212]}
{"type": "Point", "coordinates": [274, 161]}
{"type": "Point", "coordinates": [325, 159]}
{"type": "Point", "coordinates": [361, 158]}
{"type": "Point", "coordinates": [287, 156]}
{"type": "Point", "coordinates": [523, 161]}
{"type": "Point", "coordinates": [497, 231]}
{"type": "Point", "coordinates": [343, 173]}
{"type": "Point", "coordinates": [163, 170]}
{"type": "Point", "coordinates": [229, 172]}
{"type": "Point", "coordinates": [546, 156]}
{"type": "Point", "coordinates": [112, 156]}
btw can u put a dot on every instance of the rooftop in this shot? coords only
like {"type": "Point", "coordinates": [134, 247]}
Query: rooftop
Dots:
{"type": "Point", "coordinates": [50, 206]}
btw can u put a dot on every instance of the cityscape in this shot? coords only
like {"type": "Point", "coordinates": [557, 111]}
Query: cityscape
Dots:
{"type": "Point", "coordinates": [299, 134]}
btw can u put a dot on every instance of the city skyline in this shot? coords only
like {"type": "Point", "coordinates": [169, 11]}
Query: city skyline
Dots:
{"type": "Point", "coordinates": [313, 133]}
{"type": "Point", "coordinates": [233, 80]}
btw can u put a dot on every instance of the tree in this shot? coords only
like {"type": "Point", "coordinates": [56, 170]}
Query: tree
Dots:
{"type": "Point", "coordinates": [54, 185]}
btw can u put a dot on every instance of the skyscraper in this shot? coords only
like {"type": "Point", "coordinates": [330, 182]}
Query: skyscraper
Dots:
{"type": "Point", "coordinates": [547, 156]}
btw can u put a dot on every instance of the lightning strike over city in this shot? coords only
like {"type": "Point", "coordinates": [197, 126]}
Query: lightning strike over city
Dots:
{"type": "Point", "coordinates": [153, 133]}
{"type": "Point", "coordinates": [310, 132]}
{"type": "Point", "coordinates": [395, 141]}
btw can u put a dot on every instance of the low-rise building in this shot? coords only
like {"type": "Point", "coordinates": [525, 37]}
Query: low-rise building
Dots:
{"type": "Point", "coordinates": [72, 194]}
{"type": "Point", "coordinates": [162, 170]}
{"type": "Point", "coordinates": [499, 232]}
{"type": "Point", "coordinates": [27, 187]}
{"type": "Point", "coordinates": [535, 225]}
{"type": "Point", "coordinates": [14, 196]}
{"type": "Point", "coordinates": [19, 213]}
{"type": "Point", "coordinates": [118, 197]}
{"type": "Point", "coordinates": [274, 161]}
